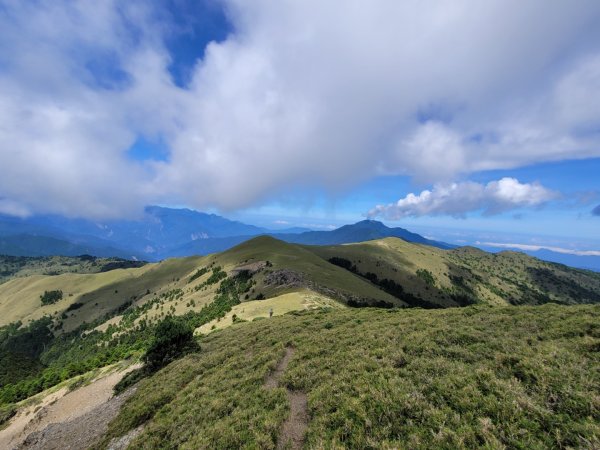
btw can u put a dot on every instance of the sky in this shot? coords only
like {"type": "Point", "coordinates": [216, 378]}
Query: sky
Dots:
{"type": "Point", "coordinates": [448, 118]}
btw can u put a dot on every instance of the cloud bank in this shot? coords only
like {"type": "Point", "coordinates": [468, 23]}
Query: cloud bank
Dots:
{"type": "Point", "coordinates": [458, 199]}
{"type": "Point", "coordinates": [535, 248]}
{"type": "Point", "coordinates": [300, 93]}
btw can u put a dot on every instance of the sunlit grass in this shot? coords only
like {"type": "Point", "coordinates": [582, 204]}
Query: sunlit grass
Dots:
{"type": "Point", "coordinates": [523, 377]}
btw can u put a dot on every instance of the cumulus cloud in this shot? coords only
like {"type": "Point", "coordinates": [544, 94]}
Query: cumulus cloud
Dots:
{"type": "Point", "coordinates": [312, 92]}
{"type": "Point", "coordinates": [458, 199]}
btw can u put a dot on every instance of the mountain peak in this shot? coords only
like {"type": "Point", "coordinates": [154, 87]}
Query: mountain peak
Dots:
{"type": "Point", "coordinates": [369, 223]}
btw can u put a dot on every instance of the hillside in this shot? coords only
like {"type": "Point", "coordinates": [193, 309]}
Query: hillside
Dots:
{"type": "Point", "coordinates": [431, 277]}
{"type": "Point", "coordinates": [57, 326]}
{"type": "Point", "coordinates": [458, 378]}
{"type": "Point", "coordinates": [387, 272]}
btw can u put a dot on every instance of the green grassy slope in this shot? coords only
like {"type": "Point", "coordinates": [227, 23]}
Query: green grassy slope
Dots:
{"type": "Point", "coordinates": [135, 288]}
{"type": "Point", "coordinates": [87, 296]}
{"type": "Point", "coordinates": [522, 279]}
{"type": "Point", "coordinates": [468, 275]}
{"type": "Point", "coordinates": [375, 359]}
{"type": "Point", "coordinates": [472, 377]}
{"type": "Point", "coordinates": [425, 276]}
{"type": "Point", "coordinates": [292, 267]}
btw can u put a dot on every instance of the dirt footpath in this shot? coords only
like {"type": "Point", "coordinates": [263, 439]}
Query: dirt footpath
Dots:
{"type": "Point", "coordinates": [67, 420]}
{"type": "Point", "coordinates": [293, 430]}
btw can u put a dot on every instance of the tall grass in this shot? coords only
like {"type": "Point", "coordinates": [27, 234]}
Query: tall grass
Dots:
{"type": "Point", "coordinates": [525, 377]}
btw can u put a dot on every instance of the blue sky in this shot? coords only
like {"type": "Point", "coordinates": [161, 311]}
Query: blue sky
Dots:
{"type": "Point", "coordinates": [443, 118]}
{"type": "Point", "coordinates": [566, 221]}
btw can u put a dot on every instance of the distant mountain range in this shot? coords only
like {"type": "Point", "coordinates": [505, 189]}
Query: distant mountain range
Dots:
{"type": "Point", "coordinates": [167, 232]}
{"type": "Point", "coordinates": [365, 230]}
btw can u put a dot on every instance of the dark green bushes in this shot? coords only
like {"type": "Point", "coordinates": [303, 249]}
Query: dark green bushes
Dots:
{"type": "Point", "coordinates": [74, 306]}
{"type": "Point", "coordinates": [426, 276]}
{"type": "Point", "coordinates": [51, 297]}
{"type": "Point", "coordinates": [173, 337]}
{"type": "Point", "coordinates": [198, 274]}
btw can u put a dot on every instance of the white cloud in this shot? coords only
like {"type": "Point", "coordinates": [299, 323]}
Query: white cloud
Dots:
{"type": "Point", "coordinates": [312, 92]}
{"type": "Point", "coordinates": [458, 199]}
{"type": "Point", "coordinates": [535, 248]}
{"type": "Point", "coordinates": [13, 208]}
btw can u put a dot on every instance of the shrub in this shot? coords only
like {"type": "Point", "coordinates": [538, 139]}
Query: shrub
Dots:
{"type": "Point", "coordinates": [74, 306]}
{"type": "Point", "coordinates": [198, 274]}
{"type": "Point", "coordinates": [426, 276]}
{"type": "Point", "coordinates": [51, 297]}
{"type": "Point", "coordinates": [173, 338]}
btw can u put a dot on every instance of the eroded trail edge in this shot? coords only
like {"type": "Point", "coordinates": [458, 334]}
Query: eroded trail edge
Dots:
{"type": "Point", "coordinates": [294, 428]}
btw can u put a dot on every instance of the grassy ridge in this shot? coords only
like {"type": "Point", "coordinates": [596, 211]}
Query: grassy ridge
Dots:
{"type": "Point", "coordinates": [315, 272]}
{"type": "Point", "coordinates": [466, 275]}
{"type": "Point", "coordinates": [458, 378]}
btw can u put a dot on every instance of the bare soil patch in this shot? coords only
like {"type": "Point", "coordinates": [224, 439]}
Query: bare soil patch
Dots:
{"type": "Point", "coordinates": [66, 420]}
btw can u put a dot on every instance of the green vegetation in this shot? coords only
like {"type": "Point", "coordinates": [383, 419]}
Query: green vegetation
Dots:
{"type": "Point", "coordinates": [463, 276]}
{"type": "Point", "coordinates": [228, 295]}
{"type": "Point", "coordinates": [198, 274]}
{"type": "Point", "coordinates": [39, 360]}
{"type": "Point", "coordinates": [217, 275]}
{"type": "Point", "coordinates": [172, 338]}
{"type": "Point", "coordinates": [45, 360]}
{"type": "Point", "coordinates": [51, 297]}
{"type": "Point", "coordinates": [387, 285]}
{"type": "Point", "coordinates": [20, 349]}
{"type": "Point", "coordinates": [456, 378]}
{"type": "Point", "coordinates": [426, 276]}
{"type": "Point", "coordinates": [390, 377]}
